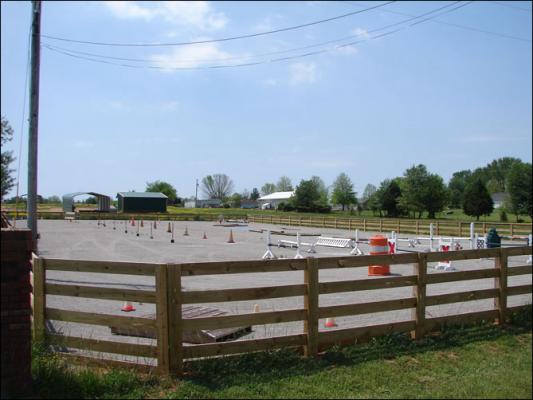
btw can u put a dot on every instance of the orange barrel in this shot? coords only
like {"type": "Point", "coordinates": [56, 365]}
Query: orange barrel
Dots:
{"type": "Point", "coordinates": [378, 245]}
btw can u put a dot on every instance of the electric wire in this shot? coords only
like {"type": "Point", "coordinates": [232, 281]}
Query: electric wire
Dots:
{"type": "Point", "coordinates": [251, 63]}
{"type": "Point", "coordinates": [262, 54]}
{"type": "Point", "coordinates": [290, 28]}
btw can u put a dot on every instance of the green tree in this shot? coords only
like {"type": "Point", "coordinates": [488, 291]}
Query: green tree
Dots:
{"type": "Point", "coordinates": [163, 187]}
{"type": "Point", "coordinates": [343, 193]}
{"type": "Point", "coordinates": [7, 180]}
{"type": "Point", "coordinates": [519, 187]}
{"type": "Point", "coordinates": [390, 197]}
{"type": "Point", "coordinates": [217, 186]}
{"type": "Point", "coordinates": [235, 200]}
{"type": "Point", "coordinates": [268, 188]}
{"type": "Point", "coordinates": [456, 187]}
{"type": "Point", "coordinates": [53, 199]}
{"type": "Point", "coordinates": [322, 189]}
{"type": "Point", "coordinates": [308, 197]}
{"type": "Point", "coordinates": [255, 194]}
{"type": "Point", "coordinates": [422, 191]}
{"type": "Point", "coordinates": [367, 194]}
{"type": "Point", "coordinates": [477, 200]}
{"type": "Point", "coordinates": [284, 184]}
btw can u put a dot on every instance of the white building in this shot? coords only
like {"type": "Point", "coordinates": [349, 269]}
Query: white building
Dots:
{"type": "Point", "coordinates": [273, 200]}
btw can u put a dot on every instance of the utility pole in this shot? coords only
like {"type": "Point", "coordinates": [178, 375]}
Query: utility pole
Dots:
{"type": "Point", "coordinates": [34, 119]}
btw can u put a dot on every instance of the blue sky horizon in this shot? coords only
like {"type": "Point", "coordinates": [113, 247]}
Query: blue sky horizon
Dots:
{"type": "Point", "coordinates": [452, 92]}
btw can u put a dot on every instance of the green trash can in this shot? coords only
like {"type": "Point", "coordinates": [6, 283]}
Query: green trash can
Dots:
{"type": "Point", "coordinates": [493, 239]}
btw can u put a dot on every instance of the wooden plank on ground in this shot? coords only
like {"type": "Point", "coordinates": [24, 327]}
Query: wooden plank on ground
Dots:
{"type": "Point", "coordinates": [223, 295]}
{"type": "Point", "coordinates": [243, 346]}
{"type": "Point", "coordinates": [228, 321]}
{"type": "Point", "coordinates": [94, 292]}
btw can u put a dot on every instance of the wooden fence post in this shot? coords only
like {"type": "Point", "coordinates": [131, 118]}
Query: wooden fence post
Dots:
{"type": "Point", "coordinates": [398, 230]}
{"type": "Point", "coordinates": [460, 229]}
{"type": "Point", "coordinates": [364, 224]}
{"type": "Point", "coordinates": [311, 306]}
{"type": "Point", "coordinates": [419, 292]}
{"type": "Point", "coordinates": [512, 229]}
{"type": "Point", "coordinates": [175, 331]}
{"type": "Point", "coordinates": [417, 228]}
{"type": "Point", "coordinates": [484, 227]}
{"type": "Point", "coordinates": [161, 311]}
{"type": "Point", "coordinates": [380, 225]}
{"type": "Point", "coordinates": [500, 282]}
{"type": "Point", "coordinates": [39, 299]}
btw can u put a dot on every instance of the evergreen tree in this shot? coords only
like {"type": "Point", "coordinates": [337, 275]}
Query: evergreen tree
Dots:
{"type": "Point", "coordinates": [477, 200]}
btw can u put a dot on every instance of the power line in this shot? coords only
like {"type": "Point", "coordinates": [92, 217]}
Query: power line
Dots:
{"type": "Point", "coordinates": [504, 4]}
{"type": "Point", "coordinates": [246, 64]}
{"type": "Point", "coordinates": [350, 37]}
{"type": "Point", "coordinates": [221, 39]}
{"type": "Point", "coordinates": [503, 35]}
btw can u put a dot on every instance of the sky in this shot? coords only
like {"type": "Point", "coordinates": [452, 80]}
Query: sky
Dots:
{"type": "Point", "coordinates": [451, 92]}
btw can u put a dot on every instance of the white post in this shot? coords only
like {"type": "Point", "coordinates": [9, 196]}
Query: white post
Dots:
{"type": "Point", "coordinates": [298, 244]}
{"type": "Point", "coordinates": [473, 244]}
{"type": "Point", "coordinates": [430, 237]}
{"type": "Point", "coordinates": [529, 243]}
{"type": "Point", "coordinates": [268, 254]}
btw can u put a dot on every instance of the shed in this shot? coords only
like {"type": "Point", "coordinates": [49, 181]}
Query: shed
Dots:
{"type": "Point", "coordinates": [104, 202]}
{"type": "Point", "coordinates": [142, 202]}
{"type": "Point", "coordinates": [273, 200]}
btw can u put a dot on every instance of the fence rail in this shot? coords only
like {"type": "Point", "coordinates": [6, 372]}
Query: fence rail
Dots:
{"type": "Point", "coordinates": [168, 296]}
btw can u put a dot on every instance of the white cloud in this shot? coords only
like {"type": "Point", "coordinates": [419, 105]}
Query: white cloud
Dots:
{"type": "Point", "coordinates": [360, 32]}
{"type": "Point", "coordinates": [197, 14]}
{"type": "Point", "coordinates": [193, 56]}
{"type": "Point", "coordinates": [302, 73]}
{"type": "Point", "coordinates": [270, 82]}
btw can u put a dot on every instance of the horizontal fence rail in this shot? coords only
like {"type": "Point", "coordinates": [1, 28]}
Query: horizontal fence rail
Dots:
{"type": "Point", "coordinates": [170, 323]}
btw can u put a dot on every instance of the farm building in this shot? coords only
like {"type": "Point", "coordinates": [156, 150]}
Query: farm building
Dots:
{"type": "Point", "coordinates": [104, 202]}
{"type": "Point", "coordinates": [142, 202]}
{"type": "Point", "coordinates": [273, 200]}
{"type": "Point", "coordinates": [209, 203]}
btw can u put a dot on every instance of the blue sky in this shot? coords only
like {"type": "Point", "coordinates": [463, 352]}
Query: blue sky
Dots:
{"type": "Point", "coordinates": [445, 96]}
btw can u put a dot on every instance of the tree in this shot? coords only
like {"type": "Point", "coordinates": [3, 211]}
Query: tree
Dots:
{"type": "Point", "coordinates": [235, 200]}
{"type": "Point", "coordinates": [390, 194]}
{"type": "Point", "coordinates": [284, 184]}
{"type": "Point", "coordinates": [422, 191]}
{"type": "Point", "coordinates": [367, 194]}
{"type": "Point", "coordinates": [306, 195]}
{"type": "Point", "coordinates": [217, 186]}
{"type": "Point", "coordinates": [255, 194]}
{"type": "Point", "coordinates": [520, 189]}
{"type": "Point", "coordinates": [477, 200]}
{"type": "Point", "coordinates": [268, 188]}
{"type": "Point", "coordinates": [245, 194]}
{"type": "Point", "coordinates": [166, 188]}
{"type": "Point", "coordinates": [322, 189]}
{"type": "Point", "coordinates": [457, 186]}
{"type": "Point", "coordinates": [53, 199]}
{"type": "Point", "coordinates": [343, 193]}
{"type": "Point", "coordinates": [7, 181]}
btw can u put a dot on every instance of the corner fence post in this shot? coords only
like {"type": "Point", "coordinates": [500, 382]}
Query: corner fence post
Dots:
{"type": "Point", "coordinates": [500, 282]}
{"type": "Point", "coordinates": [418, 314]}
{"type": "Point", "coordinates": [39, 300]}
{"type": "Point", "coordinates": [311, 306]}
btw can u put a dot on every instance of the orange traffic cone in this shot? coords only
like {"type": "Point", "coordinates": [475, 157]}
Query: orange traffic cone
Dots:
{"type": "Point", "coordinates": [330, 323]}
{"type": "Point", "coordinates": [205, 236]}
{"type": "Point", "coordinates": [142, 223]}
{"type": "Point", "coordinates": [132, 221]}
{"type": "Point", "coordinates": [256, 308]}
{"type": "Point", "coordinates": [168, 229]}
{"type": "Point", "coordinates": [230, 240]}
{"type": "Point", "coordinates": [127, 307]}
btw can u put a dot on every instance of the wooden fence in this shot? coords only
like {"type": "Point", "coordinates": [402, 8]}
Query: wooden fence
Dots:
{"type": "Point", "coordinates": [419, 227]}
{"type": "Point", "coordinates": [169, 297]}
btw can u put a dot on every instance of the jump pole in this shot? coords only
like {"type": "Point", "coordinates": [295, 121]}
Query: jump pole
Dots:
{"type": "Point", "coordinates": [268, 254]}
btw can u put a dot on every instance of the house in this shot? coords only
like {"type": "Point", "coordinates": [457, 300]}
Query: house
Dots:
{"type": "Point", "coordinates": [499, 199]}
{"type": "Point", "coordinates": [273, 200]}
{"type": "Point", "coordinates": [209, 203]}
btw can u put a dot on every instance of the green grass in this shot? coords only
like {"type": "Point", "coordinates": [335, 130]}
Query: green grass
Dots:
{"type": "Point", "coordinates": [480, 361]}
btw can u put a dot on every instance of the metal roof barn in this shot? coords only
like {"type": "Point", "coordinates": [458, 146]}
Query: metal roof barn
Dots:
{"type": "Point", "coordinates": [142, 202]}
{"type": "Point", "coordinates": [104, 202]}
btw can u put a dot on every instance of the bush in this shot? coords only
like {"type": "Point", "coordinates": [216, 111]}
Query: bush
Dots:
{"type": "Point", "coordinates": [503, 216]}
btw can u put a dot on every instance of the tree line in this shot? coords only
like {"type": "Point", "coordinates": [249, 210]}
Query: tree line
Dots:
{"type": "Point", "coordinates": [413, 194]}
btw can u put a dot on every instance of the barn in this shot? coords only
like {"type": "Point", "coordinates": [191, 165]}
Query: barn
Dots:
{"type": "Point", "coordinates": [142, 202]}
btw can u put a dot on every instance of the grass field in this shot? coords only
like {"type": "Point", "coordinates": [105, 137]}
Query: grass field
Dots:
{"type": "Point", "coordinates": [481, 361]}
